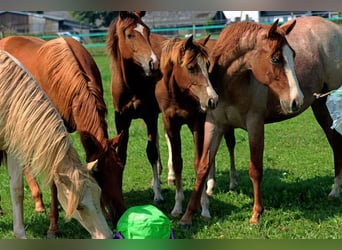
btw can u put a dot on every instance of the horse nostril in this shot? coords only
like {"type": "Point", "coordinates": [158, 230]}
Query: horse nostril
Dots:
{"type": "Point", "coordinates": [294, 106]}
{"type": "Point", "coordinates": [212, 103]}
{"type": "Point", "coordinates": [154, 65]}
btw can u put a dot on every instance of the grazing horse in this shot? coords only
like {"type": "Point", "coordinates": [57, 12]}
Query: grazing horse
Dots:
{"type": "Point", "coordinates": [246, 51]}
{"type": "Point", "coordinates": [69, 75]}
{"type": "Point", "coordinates": [318, 67]}
{"type": "Point", "coordinates": [184, 94]}
{"type": "Point", "coordinates": [32, 133]}
{"type": "Point", "coordinates": [135, 71]}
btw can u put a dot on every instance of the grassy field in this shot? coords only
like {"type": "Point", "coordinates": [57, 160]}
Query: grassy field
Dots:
{"type": "Point", "coordinates": [298, 175]}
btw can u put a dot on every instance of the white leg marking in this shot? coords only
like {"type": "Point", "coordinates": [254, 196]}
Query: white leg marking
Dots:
{"type": "Point", "coordinates": [171, 174]}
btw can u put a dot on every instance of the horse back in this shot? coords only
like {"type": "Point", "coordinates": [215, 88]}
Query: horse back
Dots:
{"type": "Point", "coordinates": [24, 48]}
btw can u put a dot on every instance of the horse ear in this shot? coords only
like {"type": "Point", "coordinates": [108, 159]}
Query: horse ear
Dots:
{"type": "Point", "coordinates": [204, 40]}
{"type": "Point", "coordinates": [115, 142]}
{"type": "Point", "coordinates": [188, 42]}
{"type": "Point", "coordinates": [140, 13]}
{"type": "Point", "coordinates": [92, 166]}
{"type": "Point", "coordinates": [287, 27]}
{"type": "Point", "coordinates": [92, 146]}
{"type": "Point", "coordinates": [273, 28]}
{"type": "Point", "coordinates": [123, 14]}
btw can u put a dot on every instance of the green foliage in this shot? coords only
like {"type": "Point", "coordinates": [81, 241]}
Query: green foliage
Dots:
{"type": "Point", "coordinates": [298, 174]}
{"type": "Point", "coordinates": [99, 18]}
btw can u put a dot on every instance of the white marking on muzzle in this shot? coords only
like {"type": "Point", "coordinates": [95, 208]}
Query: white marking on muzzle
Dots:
{"type": "Point", "coordinates": [295, 91]}
{"type": "Point", "coordinates": [210, 90]}
{"type": "Point", "coordinates": [140, 28]}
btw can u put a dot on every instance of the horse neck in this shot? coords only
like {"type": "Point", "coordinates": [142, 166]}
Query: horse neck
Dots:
{"type": "Point", "coordinates": [233, 56]}
{"type": "Point", "coordinates": [124, 70]}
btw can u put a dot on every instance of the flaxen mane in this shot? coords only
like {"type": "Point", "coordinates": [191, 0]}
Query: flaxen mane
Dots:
{"type": "Point", "coordinates": [80, 96]}
{"type": "Point", "coordinates": [173, 52]}
{"type": "Point", "coordinates": [32, 130]}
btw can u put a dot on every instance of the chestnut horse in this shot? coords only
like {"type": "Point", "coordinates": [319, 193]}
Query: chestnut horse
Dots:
{"type": "Point", "coordinates": [70, 77]}
{"type": "Point", "coordinates": [32, 133]}
{"type": "Point", "coordinates": [318, 67]}
{"type": "Point", "coordinates": [184, 94]}
{"type": "Point", "coordinates": [246, 51]}
{"type": "Point", "coordinates": [135, 71]}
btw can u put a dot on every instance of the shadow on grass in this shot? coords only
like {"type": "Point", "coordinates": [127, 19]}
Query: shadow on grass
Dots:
{"type": "Point", "coordinates": [309, 196]}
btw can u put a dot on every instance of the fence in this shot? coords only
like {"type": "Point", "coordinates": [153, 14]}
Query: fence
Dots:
{"type": "Point", "coordinates": [98, 40]}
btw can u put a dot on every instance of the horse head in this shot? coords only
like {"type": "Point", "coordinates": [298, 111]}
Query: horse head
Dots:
{"type": "Point", "coordinates": [129, 38]}
{"type": "Point", "coordinates": [185, 63]}
{"type": "Point", "coordinates": [273, 65]}
{"type": "Point", "coordinates": [108, 174]}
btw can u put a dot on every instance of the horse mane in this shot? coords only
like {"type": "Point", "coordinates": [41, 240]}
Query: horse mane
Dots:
{"type": "Point", "coordinates": [32, 130]}
{"type": "Point", "coordinates": [174, 52]}
{"type": "Point", "coordinates": [113, 37]}
{"type": "Point", "coordinates": [238, 37]}
{"type": "Point", "coordinates": [72, 84]}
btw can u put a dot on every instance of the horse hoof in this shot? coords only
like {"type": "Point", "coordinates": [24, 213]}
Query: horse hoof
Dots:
{"type": "Point", "coordinates": [40, 210]}
{"type": "Point", "coordinates": [53, 235]}
{"type": "Point", "coordinates": [176, 214]}
{"type": "Point", "coordinates": [158, 202]}
{"type": "Point", "coordinates": [171, 182]}
{"type": "Point", "coordinates": [232, 186]}
{"type": "Point", "coordinates": [254, 220]}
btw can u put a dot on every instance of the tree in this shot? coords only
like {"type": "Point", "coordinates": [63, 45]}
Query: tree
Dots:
{"type": "Point", "coordinates": [98, 18]}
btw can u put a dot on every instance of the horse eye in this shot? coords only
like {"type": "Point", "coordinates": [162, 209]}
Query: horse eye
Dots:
{"type": "Point", "coordinates": [275, 60]}
{"type": "Point", "coordinates": [80, 207]}
{"type": "Point", "coordinates": [130, 35]}
{"type": "Point", "coordinates": [191, 69]}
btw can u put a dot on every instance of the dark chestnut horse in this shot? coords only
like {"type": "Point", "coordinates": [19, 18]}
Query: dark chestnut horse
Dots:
{"type": "Point", "coordinates": [70, 77]}
{"type": "Point", "coordinates": [318, 67]}
{"type": "Point", "coordinates": [135, 71]}
{"type": "Point", "coordinates": [184, 94]}
{"type": "Point", "coordinates": [246, 51]}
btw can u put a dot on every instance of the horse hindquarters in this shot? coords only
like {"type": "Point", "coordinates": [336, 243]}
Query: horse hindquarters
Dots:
{"type": "Point", "coordinates": [335, 140]}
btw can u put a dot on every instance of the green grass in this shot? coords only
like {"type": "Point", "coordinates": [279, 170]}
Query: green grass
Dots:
{"type": "Point", "coordinates": [298, 175]}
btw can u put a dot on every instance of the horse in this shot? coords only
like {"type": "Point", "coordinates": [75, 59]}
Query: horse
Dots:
{"type": "Point", "coordinates": [317, 66]}
{"type": "Point", "coordinates": [243, 52]}
{"type": "Point", "coordinates": [135, 71]}
{"type": "Point", "coordinates": [70, 77]}
{"type": "Point", "coordinates": [32, 133]}
{"type": "Point", "coordinates": [184, 94]}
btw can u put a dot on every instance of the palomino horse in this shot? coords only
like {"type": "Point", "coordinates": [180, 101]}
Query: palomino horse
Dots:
{"type": "Point", "coordinates": [69, 75]}
{"type": "Point", "coordinates": [242, 52]}
{"type": "Point", "coordinates": [184, 94]}
{"type": "Point", "coordinates": [32, 132]}
{"type": "Point", "coordinates": [318, 66]}
{"type": "Point", "coordinates": [135, 71]}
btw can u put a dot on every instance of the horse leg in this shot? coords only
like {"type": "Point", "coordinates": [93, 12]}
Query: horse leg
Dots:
{"type": "Point", "coordinates": [256, 146]}
{"type": "Point", "coordinates": [122, 125]}
{"type": "Point", "coordinates": [335, 140]}
{"type": "Point", "coordinates": [15, 172]}
{"type": "Point", "coordinates": [153, 154]}
{"type": "Point", "coordinates": [53, 230]}
{"type": "Point", "coordinates": [35, 191]}
{"type": "Point", "coordinates": [171, 173]}
{"type": "Point", "coordinates": [210, 145]}
{"type": "Point", "coordinates": [229, 137]}
{"type": "Point", "coordinates": [174, 139]}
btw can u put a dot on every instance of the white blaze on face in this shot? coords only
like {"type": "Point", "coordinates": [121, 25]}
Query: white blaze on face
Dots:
{"type": "Point", "coordinates": [295, 91]}
{"type": "Point", "coordinates": [210, 90]}
{"type": "Point", "coordinates": [140, 28]}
